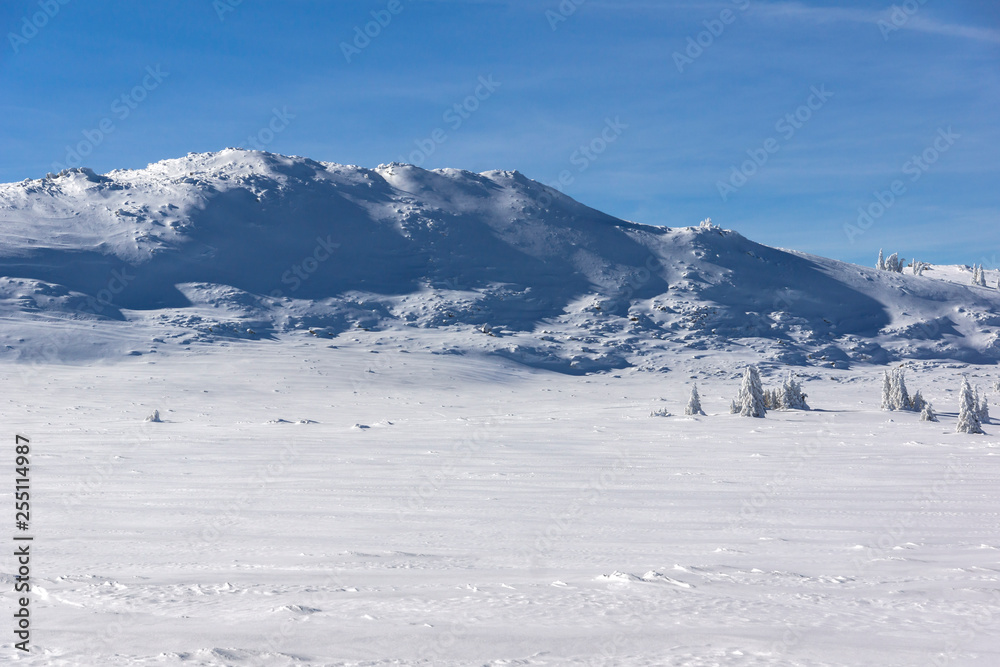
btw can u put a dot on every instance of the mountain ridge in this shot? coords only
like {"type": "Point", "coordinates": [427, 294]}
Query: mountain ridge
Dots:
{"type": "Point", "coordinates": [225, 243]}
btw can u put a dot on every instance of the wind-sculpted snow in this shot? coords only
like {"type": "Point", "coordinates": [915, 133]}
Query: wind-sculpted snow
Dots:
{"type": "Point", "coordinates": [249, 244]}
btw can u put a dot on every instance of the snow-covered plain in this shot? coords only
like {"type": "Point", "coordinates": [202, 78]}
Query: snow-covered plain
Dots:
{"type": "Point", "coordinates": [408, 419]}
{"type": "Point", "coordinates": [352, 502]}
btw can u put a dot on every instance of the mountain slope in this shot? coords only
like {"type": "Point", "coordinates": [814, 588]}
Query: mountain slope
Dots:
{"type": "Point", "coordinates": [246, 244]}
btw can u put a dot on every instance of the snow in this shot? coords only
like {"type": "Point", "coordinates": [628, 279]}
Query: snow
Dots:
{"type": "Point", "coordinates": [460, 440]}
{"type": "Point", "coordinates": [244, 244]}
{"type": "Point", "coordinates": [497, 515]}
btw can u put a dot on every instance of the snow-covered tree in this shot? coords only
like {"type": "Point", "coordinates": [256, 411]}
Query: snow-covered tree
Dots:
{"type": "Point", "coordinates": [694, 403]}
{"type": "Point", "coordinates": [982, 408]}
{"type": "Point", "coordinates": [770, 399]}
{"type": "Point", "coordinates": [893, 262]}
{"type": "Point", "coordinates": [919, 267]}
{"type": "Point", "coordinates": [887, 391]}
{"type": "Point", "coordinates": [751, 397]}
{"type": "Point", "coordinates": [791, 397]}
{"type": "Point", "coordinates": [917, 402]}
{"type": "Point", "coordinates": [927, 414]}
{"type": "Point", "coordinates": [734, 409]}
{"type": "Point", "coordinates": [968, 413]}
{"type": "Point", "coordinates": [894, 394]}
{"type": "Point", "coordinates": [900, 397]}
{"type": "Point", "coordinates": [978, 275]}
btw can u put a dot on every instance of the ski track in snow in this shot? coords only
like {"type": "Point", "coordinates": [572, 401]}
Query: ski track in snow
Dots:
{"type": "Point", "coordinates": [495, 515]}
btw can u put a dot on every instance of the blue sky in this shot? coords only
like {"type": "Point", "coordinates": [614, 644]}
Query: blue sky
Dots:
{"type": "Point", "coordinates": [778, 119]}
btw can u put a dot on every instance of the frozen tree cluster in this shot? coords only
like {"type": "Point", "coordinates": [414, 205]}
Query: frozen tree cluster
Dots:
{"type": "Point", "coordinates": [973, 408]}
{"type": "Point", "coordinates": [894, 393]}
{"type": "Point", "coordinates": [787, 397]}
{"type": "Point", "coordinates": [754, 401]}
{"type": "Point", "coordinates": [891, 263]}
{"type": "Point", "coordinates": [979, 275]}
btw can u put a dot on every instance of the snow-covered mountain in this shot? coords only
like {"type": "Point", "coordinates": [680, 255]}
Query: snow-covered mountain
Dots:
{"type": "Point", "coordinates": [238, 244]}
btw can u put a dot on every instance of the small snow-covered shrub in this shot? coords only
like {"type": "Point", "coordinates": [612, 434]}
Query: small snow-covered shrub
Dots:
{"type": "Point", "coordinates": [694, 403]}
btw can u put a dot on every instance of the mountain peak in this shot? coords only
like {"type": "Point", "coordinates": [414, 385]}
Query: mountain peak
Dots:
{"type": "Point", "coordinates": [239, 240]}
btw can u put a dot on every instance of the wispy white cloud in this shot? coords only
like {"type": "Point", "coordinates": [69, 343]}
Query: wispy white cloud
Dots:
{"type": "Point", "coordinates": [954, 30]}
{"type": "Point", "coordinates": [919, 21]}
{"type": "Point", "coordinates": [790, 9]}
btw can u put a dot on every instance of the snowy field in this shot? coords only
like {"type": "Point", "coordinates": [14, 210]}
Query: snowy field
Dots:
{"type": "Point", "coordinates": [358, 501]}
